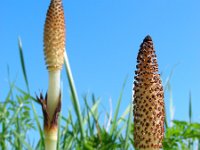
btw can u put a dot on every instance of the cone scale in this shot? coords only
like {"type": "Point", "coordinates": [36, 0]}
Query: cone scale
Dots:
{"type": "Point", "coordinates": [148, 100]}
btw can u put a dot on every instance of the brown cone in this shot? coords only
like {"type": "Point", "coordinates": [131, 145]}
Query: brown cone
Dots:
{"type": "Point", "coordinates": [148, 100]}
{"type": "Point", "coordinates": [54, 36]}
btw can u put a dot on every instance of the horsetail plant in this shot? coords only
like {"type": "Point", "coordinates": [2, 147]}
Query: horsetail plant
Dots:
{"type": "Point", "coordinates": [54, 47]}
{"type": "Point", "coordinates": [148, 100]}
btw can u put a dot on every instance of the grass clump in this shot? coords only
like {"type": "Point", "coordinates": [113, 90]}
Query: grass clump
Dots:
{"type": "Point", "coordinates": [84, 130]}
{"type": "Point", "coordinates": [19, 120]}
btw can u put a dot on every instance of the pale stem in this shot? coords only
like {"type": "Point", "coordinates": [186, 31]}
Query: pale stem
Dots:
{"type": "Point", "coordinates": [51, 140]}
{"type": "Point", "coordinates": [149, 149]}
{"type": "Point", "coordinates": [53, 92]}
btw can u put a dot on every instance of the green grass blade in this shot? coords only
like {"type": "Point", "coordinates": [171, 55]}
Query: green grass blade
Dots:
{"type": "Point", "coordinates": [18, 131]}
{"type": "Point", "coordinates": [23, 63]}
{"type": "Point", "coordinates": [68, 138]}
{"type": "Point", "coordinates": [124, 114]}
{"type": "Point", "coordinates": [3, 144]}
{"type": "Point", "coordinates": [27, 86]}
{"type": "Point", "coordinates": [12, 85]}
{"type": "Point", "coordinates": [9, 81]}
{"type": "Point", "coordinates": [123, 119]}
{"type": "Point", "coordinates": [114, 121]}
{"type": "Point", "coordinates": [38, 124]}
{"type": "Point", "coordinates": [128, 127]}
{"type": "Point", "coordinates": [74, 96]}
{"type": "Point", "coordinates": [25, 93]}
{"type": "Point", "coordinates": [166, 86]}
{"type": "Point", "coordinates": [190, 118]}
{"type": "Point", "coordinates": [64, 131]}
{"type": "Point", "coordinates": [90, 131]}
{"type": "Point", "coordinates": [22, 140]}
{"type": "Point", "coordinates": [14, 117]}
{"type": "Point", "coordinates": [169, 78]}
{"type": "Point", "coordinates": [171, 103]}
{"type": "Point", "coordinates": [190, 107]}
{"type": "Point", "coordinates": [91, 111]}
{"type": "Point", "coordinates": [94, 100]}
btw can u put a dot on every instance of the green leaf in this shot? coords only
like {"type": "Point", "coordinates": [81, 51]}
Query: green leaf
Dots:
{"type": "Point", "coordinates": [22, 140]}
{"type": "Point", "coordinates": [128, 128]}
{"type": "Point", "coordinates": [74, 99]}
{"type": "Point", "coordinates": [23, 63]}
{"type": "Point", "coordinates": [114, 121]}
{"type": "Point", "coordinates": [190, 107]}
{"type": "Point", "coordinates": [92, 110]}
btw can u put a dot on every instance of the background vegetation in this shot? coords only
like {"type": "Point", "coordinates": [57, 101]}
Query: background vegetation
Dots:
{"type": "Point", "coordinates": [19, 120]}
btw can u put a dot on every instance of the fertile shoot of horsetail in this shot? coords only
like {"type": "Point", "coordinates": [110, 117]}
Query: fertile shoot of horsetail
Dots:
{"type": "Point", "coordinates": [54, 47]}
{"type": "Point", "coordinates": [148, 100]}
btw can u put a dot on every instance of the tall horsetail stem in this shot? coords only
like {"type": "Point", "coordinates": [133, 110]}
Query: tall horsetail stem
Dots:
{"type": "Point", "coordinates": [54, 47]}
{"type": "Point", "coordinates": [148, 100]}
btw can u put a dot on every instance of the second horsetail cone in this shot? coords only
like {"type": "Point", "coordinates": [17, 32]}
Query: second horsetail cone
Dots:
{"type": "Point", "coordinates": [148, 100]}
{"type": "Point", "coordinates": [54, 36]}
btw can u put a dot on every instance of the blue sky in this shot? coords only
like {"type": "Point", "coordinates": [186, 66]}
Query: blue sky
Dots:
{"type": "Point", "coordinates": [103, 38]}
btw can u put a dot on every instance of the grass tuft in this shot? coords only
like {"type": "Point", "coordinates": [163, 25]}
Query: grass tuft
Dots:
{"type": "Point", "coordinates": [19, 120]}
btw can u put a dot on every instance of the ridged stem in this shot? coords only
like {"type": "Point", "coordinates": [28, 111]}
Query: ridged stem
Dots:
{"type": "Point", "coordinates": [53, 92]}
{"type": "Point", "coordinates": [51, 137]}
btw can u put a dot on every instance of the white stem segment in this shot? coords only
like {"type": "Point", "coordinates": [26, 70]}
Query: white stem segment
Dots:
{"type": "Point", "coordinates": [53, 92]}
{"type": "Point", "coordinates": [149, 149]}
{"type": "Point", "coordinates": [51, 140]}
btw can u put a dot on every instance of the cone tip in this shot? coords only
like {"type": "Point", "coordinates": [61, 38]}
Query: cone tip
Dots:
{"type": "Point", "coordinates": [147, 38]}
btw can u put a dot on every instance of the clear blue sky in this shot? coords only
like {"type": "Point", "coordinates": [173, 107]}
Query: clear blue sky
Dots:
{"type": "Point", "coordinates": [103, 38]}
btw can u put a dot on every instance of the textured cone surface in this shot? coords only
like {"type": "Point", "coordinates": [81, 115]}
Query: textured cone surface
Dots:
{"type": "Point", "coordinates": [54, 36]}
{"type": "Point", "coordinates": [148, 100]}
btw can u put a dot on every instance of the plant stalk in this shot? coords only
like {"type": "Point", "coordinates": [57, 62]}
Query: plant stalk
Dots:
{"type": "Point", "coordinates": [54, 47]}
{"type": "Point", "coordinates": [53, 92]}
{"type": "Point", "coordinates": [51, 139]}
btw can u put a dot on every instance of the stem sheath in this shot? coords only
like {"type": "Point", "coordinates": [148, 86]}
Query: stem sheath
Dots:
{"type": "Point", "coordinates": [51, 139]}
